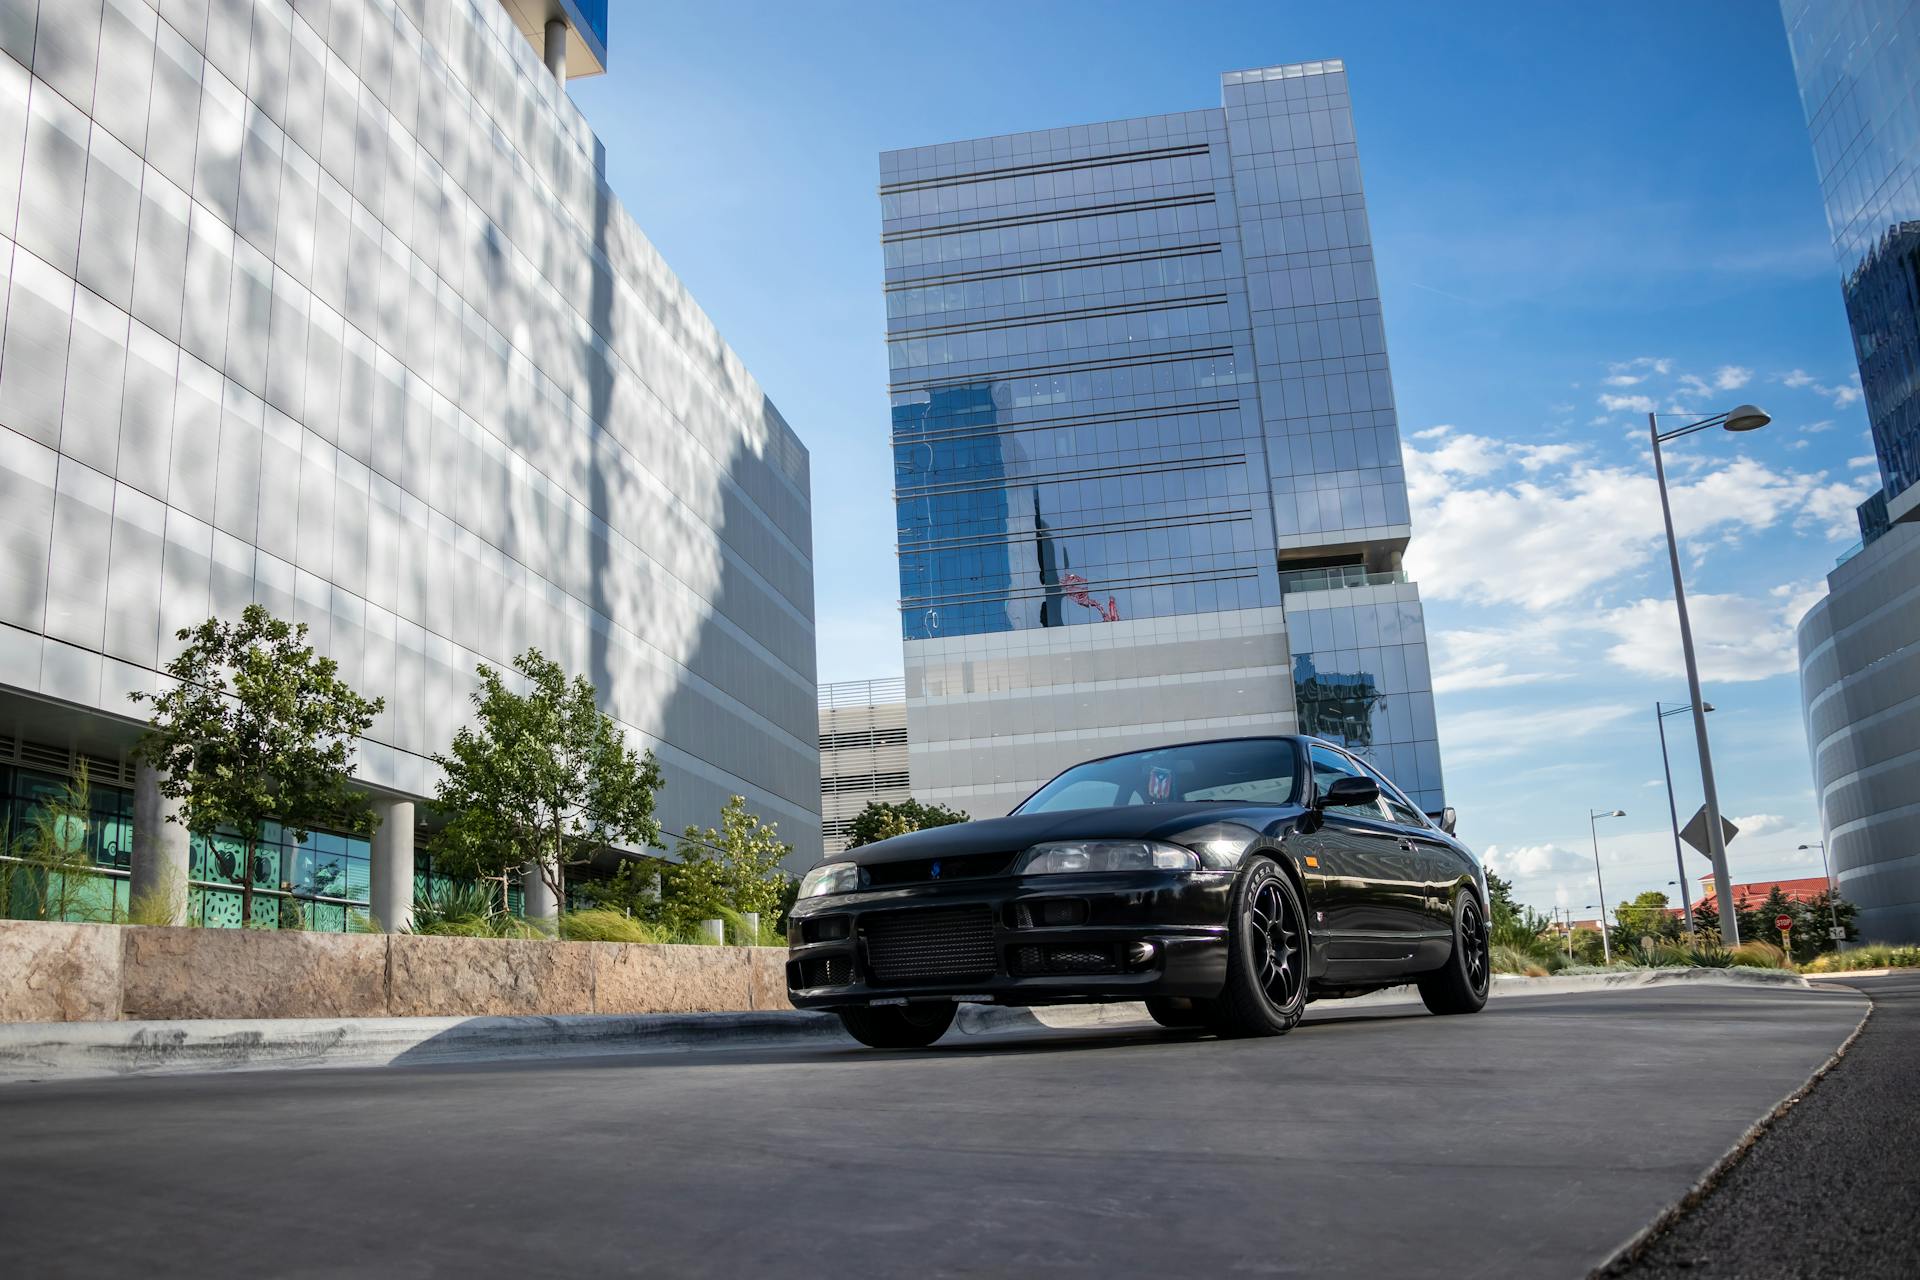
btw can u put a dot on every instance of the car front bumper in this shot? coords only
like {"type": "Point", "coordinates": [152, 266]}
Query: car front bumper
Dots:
{"type": "Point", "coordinates": [1032, 940]}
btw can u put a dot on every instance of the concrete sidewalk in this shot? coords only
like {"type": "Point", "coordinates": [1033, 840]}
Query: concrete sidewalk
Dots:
{"type": "Point", "coordinates": [32, 1051]}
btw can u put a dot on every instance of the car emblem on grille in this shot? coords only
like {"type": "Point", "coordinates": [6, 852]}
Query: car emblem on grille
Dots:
{"type": "Point", "coordinates": [934, 874]}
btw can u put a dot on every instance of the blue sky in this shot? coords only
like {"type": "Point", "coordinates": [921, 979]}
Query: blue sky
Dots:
{"type": "Point", "coordinates": [1578, 211]}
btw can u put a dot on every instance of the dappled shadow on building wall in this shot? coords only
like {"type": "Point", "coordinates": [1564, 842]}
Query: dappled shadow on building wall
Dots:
{"type": "Point", "coordinates": [737, 695]}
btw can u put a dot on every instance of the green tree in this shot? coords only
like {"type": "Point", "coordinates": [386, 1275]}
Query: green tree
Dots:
{"type": "Point", "coordinates": [256, 728]}
{"type": "Point", "coordinates": [633, 889]}
{"type": "Point", "coordinates": [882, 820]}
{"type": "Point", "coordinates": [1646, 916]}
{"type": "Point", "coordinates": [53, 852]}
{"type": "Point", "coordinates": [542, 778]}
{"type": "Point", "coordinates": [736, 867]}
{"type": "Point", "coordinates": [1500, 896]}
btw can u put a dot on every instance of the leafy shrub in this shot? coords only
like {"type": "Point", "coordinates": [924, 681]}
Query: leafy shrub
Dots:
{"type": "Point", "coordinates": [597, 924]}
{"type": "Point", "coordinates": [1709, 957]}
{"type": "Point", "coordinates": [1877, 956]}
{"type": "Point", "coordinates": [467, 909]}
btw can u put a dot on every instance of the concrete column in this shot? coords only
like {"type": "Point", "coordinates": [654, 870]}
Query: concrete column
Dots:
{"type": "Point", "coordinates": [161, 850]}
{"type": "Point", "coordinates": [556, 49]}
{"type": "Point", "coordinates": [392, 897]}
{"type": "Point", "coordinates": [541, 908]}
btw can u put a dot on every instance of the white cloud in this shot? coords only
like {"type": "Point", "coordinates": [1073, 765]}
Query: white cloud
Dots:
{"type": "Point", "coordinates": [1731, 377]}
{"type": "Point", "coordinates": [1815, 428]}
{"type": "Point", "coordinates": [1842, 394]}
{"type": "Point", "coordinates": [1467, 659]}
{"type": "Point", "coordinates": [1550, 539]}
{"type": "Point", "coordinates": [1534, 860]}
{"type": "Point", "coordinates": [1832, 506]}
{"type": "Point", "coordinates": [1759, 824]}
{"type": "Point", "coordinates": [1736, 638]}
{"type": "Point", "coordinates": [1500, 733]}
{"type": "Point", "coordinates": [1627, 404]}
{"type": "Point", "coordinates": [1533, 457]}
{"type": "Point", "coordinates": [1641, 364]}
{"type": "Point", "coordinates": [1433, 433]}
{"type": "Point", "coordinates": [1458, 455]}
{"type": "Point", "coordinates": [1863, 461]}
{"type": "Point", "coordinates": [1623, 380]}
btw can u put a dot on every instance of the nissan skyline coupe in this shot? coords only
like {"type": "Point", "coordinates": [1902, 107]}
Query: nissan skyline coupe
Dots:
{"type": "Point", "coordinates": [1226, 884]}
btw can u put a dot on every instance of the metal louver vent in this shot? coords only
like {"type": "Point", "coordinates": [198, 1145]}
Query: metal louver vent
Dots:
{"type": "Point", "coordinates": [41, 756]}
{"type": "Point", "coordinates": [52, 759]}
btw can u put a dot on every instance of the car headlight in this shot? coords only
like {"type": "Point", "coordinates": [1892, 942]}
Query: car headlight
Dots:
{"type": "Point", "coordinates": [1066, 857]}
{"type": "Point", "coordinates": [834, 877]}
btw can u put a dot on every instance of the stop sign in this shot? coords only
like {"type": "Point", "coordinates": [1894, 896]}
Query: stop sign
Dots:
{"type": "Point", "coordinates": [1783, 923]}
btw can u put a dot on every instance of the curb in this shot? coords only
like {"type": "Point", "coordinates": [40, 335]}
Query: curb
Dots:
{"type": "Point", "coordinates": [89, 1050]}
{"type": "Point", "coordinates": [31, 1051]}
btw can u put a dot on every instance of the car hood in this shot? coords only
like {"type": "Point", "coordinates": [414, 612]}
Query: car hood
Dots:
{"type": "Point", "coordinates": [1020, 831]}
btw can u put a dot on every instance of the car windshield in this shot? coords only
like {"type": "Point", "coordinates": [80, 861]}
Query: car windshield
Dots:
{"type": "Point", "coordinates": [1252, 771]}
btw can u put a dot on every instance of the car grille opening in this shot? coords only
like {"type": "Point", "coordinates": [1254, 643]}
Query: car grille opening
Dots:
{"type": "Point", "coordinates": [1050, 913]}
{"type": "Point", "coordinates": [932, 945]}
{"type": "Point", "coordinates": [828, 929]}
{"type": "Point", "coordinates": [827, 971]}
{"type": "Point", "coordinates": [971, 866]}
{"type": "Point", "coordinates": [1065, 958]}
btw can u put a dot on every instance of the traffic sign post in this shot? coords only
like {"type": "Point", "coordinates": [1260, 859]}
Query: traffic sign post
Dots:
{"type": "Point", "coordinates": [1785, 925]}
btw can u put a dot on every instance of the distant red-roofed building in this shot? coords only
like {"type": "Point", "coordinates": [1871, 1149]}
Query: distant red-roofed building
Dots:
{"type": "Point", "coordinates": [1748, 896]}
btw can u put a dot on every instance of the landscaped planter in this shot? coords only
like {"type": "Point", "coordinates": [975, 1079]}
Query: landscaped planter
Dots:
{"type": "Point", "coordinates": [53, 972]}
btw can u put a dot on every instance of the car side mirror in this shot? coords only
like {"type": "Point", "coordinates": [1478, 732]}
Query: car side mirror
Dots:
{"type": "Point", "coordinates": [1348, 791]}
{"type": "Point", "coordinates": [1449, 819]}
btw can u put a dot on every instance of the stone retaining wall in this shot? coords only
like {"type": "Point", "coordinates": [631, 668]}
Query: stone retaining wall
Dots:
{"type": "Point", "coordinates": [104, 973]}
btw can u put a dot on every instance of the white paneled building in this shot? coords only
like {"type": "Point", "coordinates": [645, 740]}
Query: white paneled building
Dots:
{"type": "Point", "coordinates": [327, 305]}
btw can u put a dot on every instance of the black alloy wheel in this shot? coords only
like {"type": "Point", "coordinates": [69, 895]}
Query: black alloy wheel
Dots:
{"type": "Point", "coordinates": [1266, 988]}
{"type": "Point", "coordinates": [911, 1026]}
{"type": "Point", "coordinates": [1462, 983]}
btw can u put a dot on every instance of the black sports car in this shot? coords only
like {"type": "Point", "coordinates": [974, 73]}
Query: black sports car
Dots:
{"type": "Point", "coordinates": [1224, 883]}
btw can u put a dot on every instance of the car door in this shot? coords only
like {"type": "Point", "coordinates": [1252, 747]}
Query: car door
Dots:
{"type": "Point", "coordinates": [1372, 890]}
{"type": "Point", "coordinates": [1437, 865]}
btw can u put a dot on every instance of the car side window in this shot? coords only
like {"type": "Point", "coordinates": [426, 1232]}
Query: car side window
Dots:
{"type": "Point", "coordinates": [1328, 766]}
{"type": "Point", "coordinates": [1397, 806]}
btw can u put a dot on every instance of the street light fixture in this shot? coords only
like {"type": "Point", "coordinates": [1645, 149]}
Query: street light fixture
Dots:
{"type": "Point", "coordinates": [1593, 818]}
{"type": "Point", "coordinates": [1838, 934]}
{"type": "Point", "coordinates": [1660, 714]}
{"type": "Point", "coordinates": [1744, 417]}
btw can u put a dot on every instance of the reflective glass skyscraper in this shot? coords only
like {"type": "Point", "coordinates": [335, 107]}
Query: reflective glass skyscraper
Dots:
{"type": "Point", "coordinates": [1147, 467]}
{"type": "Point", "coordinates": [1858, 63]}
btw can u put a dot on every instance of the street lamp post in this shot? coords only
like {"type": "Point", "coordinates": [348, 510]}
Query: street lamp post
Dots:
{"type": "Point", "coordinates": [1838, 934]}
{"type": "Point", "coordinates": [1593, 829]}
{"type": "Point", "coordinates": [1660, 718]}
{"type": "Point", "coordinates": [1744, 417]}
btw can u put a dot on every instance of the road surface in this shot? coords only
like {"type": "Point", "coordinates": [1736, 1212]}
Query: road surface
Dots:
{"type": "Point", "coordinates": [1833, 1188]}
{"type": "Point", "coordinates": [1530, 1140]}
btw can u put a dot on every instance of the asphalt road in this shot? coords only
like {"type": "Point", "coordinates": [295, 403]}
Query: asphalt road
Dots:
{"type": "Point", "coordinates": [1530, 1140]}
{"type": "Point", "coordinates": [1833, 1187]}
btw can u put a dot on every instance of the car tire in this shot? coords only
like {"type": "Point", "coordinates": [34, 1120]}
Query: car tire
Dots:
{"type": "Point", "coordinates": [1266, 988]}
{"type": "Point", "coordinates": [913, 1026]}
{"type": "Point", "coordinates": [1176, 1014]}
{"type": "Point", "coordinates": [1462, 983]}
